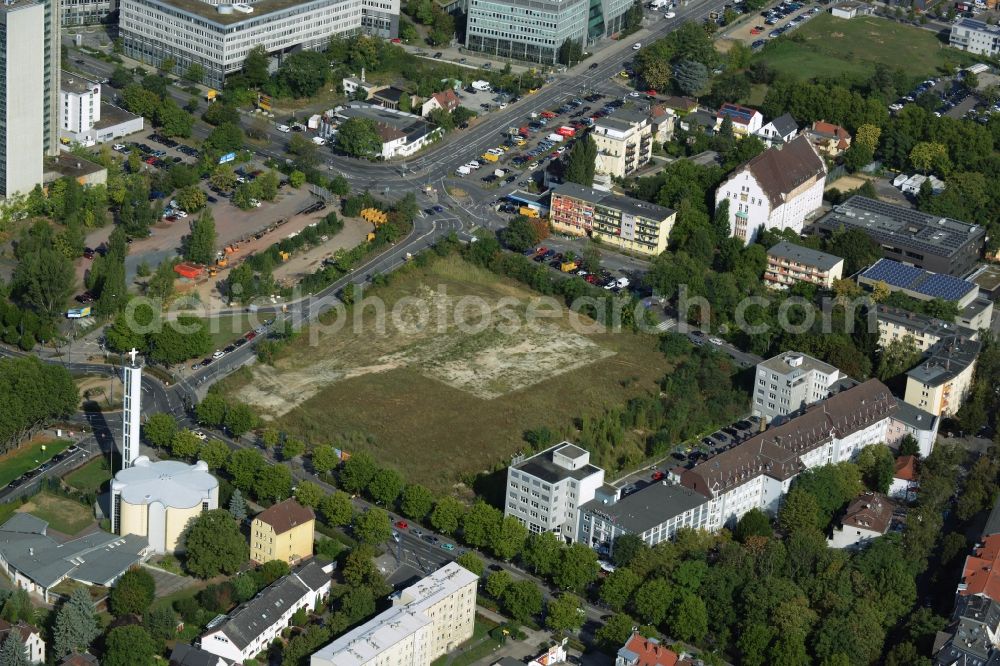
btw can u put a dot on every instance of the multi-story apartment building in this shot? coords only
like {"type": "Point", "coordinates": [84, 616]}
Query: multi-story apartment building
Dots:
{"type": "Point", "coordinates": [974, 312]}
{"type": "Point", "coordinates": [919, 424]}
{"type": "Point", "coordinates": [545, 490]}
{"type": "Point", "coordinates": [759, 472]}
{"type": "Point", "coordinates": [23, 99]}
{"type": "Point", "coordinates": [939, 244]}
{"type": "Point", "coordinates": [533, 30]}
{"type": "Point", "coordinates": [219, 36]}
{"type": "Point", "coordinates": [941, 383]}
{"type": "Point", "coordinates": [624, 143]}
{"type": "Point", "coordinates": [975, 37]}
{"type": "Point", "coordinates": [896, 324]}
{"type": "Point", "coordinates": [618, 221]}
{"type": "Point", "coordinates": [248, 630]}
{"type": "Point", "coordinates": [778, 189]}
{"type": "Point", "coordinates": [653, 513]}
{"type": "Point", "coordinates": [285, 532]}
{"type": "Point", "coordinates": [789, 264]}
{"type": "Point", "coordinates": [790, 381]}
{"type": "Point", "coordinates": [81, 103]}
{"type": "Point", "coordinates": [426, 621]}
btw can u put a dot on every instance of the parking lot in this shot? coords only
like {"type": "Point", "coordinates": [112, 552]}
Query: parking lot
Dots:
{"type": "Point", "coordinates": [949, 96]}
{"type": "Point", "coordinates": [772, 23]}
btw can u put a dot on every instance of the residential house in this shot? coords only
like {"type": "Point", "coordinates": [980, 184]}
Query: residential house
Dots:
{"type": "Point", "coordinates": [285, 532]}
{"type": "Point", "coordinates": [545, 490]}
{"type": "Point", "coordinates": [781, 130]}
{"type": "Point", "coordinates": [681, 105]}
{"type": "Point", "coordinates": [654, 513]}
{"type": "Point", "coordinates": [445, 100]}
{"type": "Point", "coordinates": [923, 240]}
{"type": "Point", "coordinates": [663, 120]}
{"type": "Point", "coordinates": [829, 139]}
{"type": "Point", "coordinates": [249, 629]}
{"type": "Point", "coordinates": [80, 659]}
{"type": "Point", "coordinates": [789, 382]}
{"type": "Point", "coordinates": [759, 472]}
{"type": "Point", "coordinates": [746, 121]}
{"type": "Point", "coordinates": [941, 383]}
{"type": "Point", "coordinates": [615, 220]}
{"type": "Point", "coordinates": [426, 620]}
{"type": "Point", "coordinates": [36, 562]}
{"type": "Point", "coordinates": [642, 651]}
{"type": "Point", "coordinates": [624, 143]}
{"type": "Point", "coordinates": [189, 655]}
{"type": "Point", "coordinates": [29, 636]}
{"type": "Point", "coordinates": [867, 517]}
{"type": "Point", "coordinates": [777, 189]}
{"type": "Point", "coordinates": [904, 479]}
{"type": "Point", "coordinates": [915, 422]}
{"type": "Point", "coordinates": [788, 264]}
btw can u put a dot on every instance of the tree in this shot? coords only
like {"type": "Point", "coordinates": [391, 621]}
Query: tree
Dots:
{"type": "Point", "coordinates": [652, 601]}
{"type": "Point", "coordinates": [754, 523]}
{"type": "Point", "coordinates": [159, 429]}
{"type": "Point", "coordinates": [615, 632]}
{"type": "Point", "coordinates": [195, 73]}
{"type": "Point", "coordinates": [359, 137]}
{"type": "Point", "coordinates": [564, 613]}
{"type": "Point", "coordinates": [691, 77]}
{"type": "Point", "coordinates": [173, 120]}
{"type": "Point", "coordinates": [302, 74]}
{"type": "Point", "coordinates": [214, 545]}
{"type": "Point", "coordinates": [292, 448]}
{"type": "Point", "coordinates": [909, 446]}
{"type": "Point", "coordinates": [184, 444]}
{"type": "Point", "coordinates": [799, 511]}
{"type": "Point", "coordinates": [240, 419]}
{"type": "Point", "coordinates": [357, 472]}
{"type": "Point", "coordinates": [480, 523]}
{"type": "Point", "coordinates": [522, 599]}
{"type": "Point", "coordinates": [13, 652]}
{"type": "Point", "coordinates": [227, 137]}
{"type": "Point", "coordinates": [296, 179]}
{"type": "Point", "coordinates": [447, 515]}
{"type": "Point", "coordinates": [689, 618]}
{"type": "Point", "coordinates": [191, 198]}
{"type": "Point", "coordinates": [508, 538]}
{"type": "Point", "coordinates": [497, 583]}
{"type": "Point", "coordinates": [626, 548]}
{"type": "Point", "coordinates": [237, 506]}
{"type": "Point", "coordinates": [856, 248]}
{"type": "Point", "coordinates": [133, 592]}
{"type": "Point", "coordinates": [385, 487]}
{"type": "Point", "coordinates": [542, 552]}
{"type": "Point", "coordinates": [161, 623]}
{"type": "Point", "coordinates": [274, 482]}
{"type": "Point", "coordinates": [255, 67]}
{"type": "Point", "coordinates": [570, 52]}
{"type": "Point", "coordinates": [211, 410]}
{"type": "Point", "coordinates": [928, 155]}
{"type": "Point", "coordinates": [129, 645]}
{"type": "Point", "coordinates": [309, 494]}
{"type": "Point", "coordinates": [520, 234]}
{"type": "Point", "coordinates": [43, 279]}
{"type": "Point", "coordinates": [472, 562]}
{"type": "Point", "coordinates": [324, 459]}
{"type": "Point", "coordinates": [618, 587]}
{"type": "Point", "coordinates": [581, 162]}
{"type": "Point", "coordinates": [372, 526]}
{"type": "Point", "coordinates": [267, 185]}
{"type": "Point", "coordinates": [223, 178]}
{"type": "Point", "coordinates": [214, 452]}
{"type": "Point", "coordinates": [416, 502]}
{"type": "Point", "coordinates": [577, 568]}
{"type": "Point", "coordinates": [336, 508]}
{"type": "Point", "coordinates": [76, 624]}
{"type": "Point", "coordinates": [898, 356]}
{"type": "Point", "coordinates": [199, 245]}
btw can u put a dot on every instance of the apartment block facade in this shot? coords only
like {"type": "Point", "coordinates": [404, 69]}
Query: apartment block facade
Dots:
{"type": "Point", "coordinates": [624, 143]}
{"type": "Point", "coordinates": [545, 490]}
{"type": "Point", "coordinates": [81, 103]}
{"type": "Point", "coordinates": [283, 532]}
{"type": "Point", "coordinates": [23, 99]}
{"type": "Point", "coordinates": [788, 264]}
{"type": "Point", "coordinates": [790, 381]}
{"type": "Point", "coordinates": [975, 37]}
{"type": "Point", "coordinates": [618, 221]}
{"type": "Point", "coordinates": [941, 383]}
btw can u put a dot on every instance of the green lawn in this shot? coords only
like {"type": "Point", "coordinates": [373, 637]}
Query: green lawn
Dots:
{"type": "Point", "coordinates": [91, 476]}
{"type": "Point", "coordinates": [62, 514]}
{"type": "Point", "coordinates": [29, 457]}
{"type": "Point", "coordinates": [826, 46]}
{"type": "Point", "coordinates": [473, 650]}
{"type": "Point", "coordinates": [224, 330]}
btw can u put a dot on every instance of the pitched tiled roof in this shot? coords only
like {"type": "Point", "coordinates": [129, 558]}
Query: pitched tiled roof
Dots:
{"type": "Point", "coordinates": [642, 651]}
{"type": "Point", "coordinates": [22, 629]}
{"type": "Point", "coordinates": [447, 99]}
{"type": "Point", "coordinates": [871, 511]}
{"type": "Point", "coordinates": [981, 574]}
{"type": "Point", "coordinates": [776, 451]}
{"type": "Point", "coordinates": [283, 516]}
{"type": "Point", "coordinates": [906, 468]}
{"type": "Point", "coordinates": [740, 115]}
{"type": "Point", "coordinates": [781, 170]}
{"type": "Point", "coordinates": [834, 133]}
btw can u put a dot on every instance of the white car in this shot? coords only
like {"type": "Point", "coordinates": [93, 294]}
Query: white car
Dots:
{"type": "Point", "coordinates": [200, 435]}
{"type": "Point", "coordinates": [319, 141]}
{"type": "Point", "coordinates": [284, 128]}
{"type": "Point", "coordinates": [634, 93]}
{"type": "Point", "coordinates": [255, 203]}
{"type": "Point", "coordinates": [670, 15]}
{"type": "Point", "coordinates": [218, 354]}
{"type": "Point", "coordinates": [473, 165]}
{"type": "Point", "coordinates": [180, 213]}
{"type": "Point", "coordinates": [118, 147]}
{"type": "Point", "coordinates": [637, 46]}
{"type": "Point", "coordinates": [716, 341]}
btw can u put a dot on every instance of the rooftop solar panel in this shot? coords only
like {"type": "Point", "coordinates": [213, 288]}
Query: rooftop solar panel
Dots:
{"type": "Point", "coordinates": [934, 285]}
{"type": "Point", "coordinates": [938, 285]}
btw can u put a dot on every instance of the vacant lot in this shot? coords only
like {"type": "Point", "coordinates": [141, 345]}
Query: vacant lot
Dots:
{"type": "Point", "coordinates": [454, 396]}
{"type": "Point", "coordinates": [826, 46]}
{"type": "Point", "coordinates": [91, 476]}
{"type": "Point", "coordinates": [62, 514]}
{"type": "Point", "coordinates": [28, 457]}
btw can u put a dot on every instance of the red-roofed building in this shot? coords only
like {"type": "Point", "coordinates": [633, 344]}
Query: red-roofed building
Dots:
{"type": "Point", "coordinates": [981, 574]}
{"type": "Point", "coordinates": [828, 138]}
{"type": "Point", "coordinates": [446, 99]}
{"type": "Point", "coordinates": [746, 121]}
{"type": "Point", "coordinates": [904, 479]}
{"type": "Point", "coordinates": [642, 651]}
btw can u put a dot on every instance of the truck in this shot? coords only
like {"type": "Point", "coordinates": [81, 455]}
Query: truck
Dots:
{"type": "Point", "coordinates": [555, 138]}
{"type": "Point", "coordinates": [566, 131]}
{"type": "Point", "coordinates": [481, 86]}
{"type": "Point", "coordinates": [78, 313]}
{"type": "Point", "coordinates": [490, 157]}
{"type": "Point", "coordinates": [657, 4]}
{"type": "Point", "coordinates": [568, 266]}
{"type": "Point", "coordinates": [463, 170]}
{"type": "Point", "coordinates": [527, 211]}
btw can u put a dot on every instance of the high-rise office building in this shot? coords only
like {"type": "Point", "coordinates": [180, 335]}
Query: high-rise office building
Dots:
{"type": "Point", "coordinates": [53, 56]}
{"type": "Point", "coordinates": [22, 95]}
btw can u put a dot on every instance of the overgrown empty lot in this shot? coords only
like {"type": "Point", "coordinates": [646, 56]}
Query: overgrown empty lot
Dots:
{"type": "Point", "coordinates": [450, 378]}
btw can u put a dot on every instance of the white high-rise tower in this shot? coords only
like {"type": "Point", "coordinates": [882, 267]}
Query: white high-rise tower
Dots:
{"type": "Point", "coordinates": [132, 411]}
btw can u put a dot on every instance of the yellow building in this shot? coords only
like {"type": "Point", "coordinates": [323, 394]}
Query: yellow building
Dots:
{"type": "Point", "coordinates": [940, 384]}
{"type": "Point", "coordinates": [283, 532]}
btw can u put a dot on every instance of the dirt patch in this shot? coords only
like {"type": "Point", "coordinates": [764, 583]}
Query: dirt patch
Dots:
{"type": "Point", "coordinates": [846, 183]}
{"type": "Point", "coordinates": [99, 391]}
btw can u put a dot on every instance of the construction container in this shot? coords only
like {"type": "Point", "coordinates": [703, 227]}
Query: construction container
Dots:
{"type": "Point", "coordinates": [188, 270]}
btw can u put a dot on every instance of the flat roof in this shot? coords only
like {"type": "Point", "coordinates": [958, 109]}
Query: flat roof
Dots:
{"type": "Point", "coordinates": [804, 255]}
{"type": "Point", "coordinates": [918, 280]}
{"type": "Point", "coordinates": [170, 482]}
{"type": "Point", "coordinates": [913, 416]}
{"type": "Point", "coordinates": [75, 83]}
{"type": "Point", "coordinates": [796, 363]}
{"type": "Point", "coordinates": [946, 360]}
{"type": "Point", "coordinates": [211, 12]}
{"type": "Point", "coordinates": [648, 507]}
{"type": "Point", "coordinates": [71, 166]}
{"type": "Point", "coordinates": [112, 115]}
{"type": "Point", "coordinates": [921, 323]}
{"type": "Point", "coordinates": [987, 277]}
{"type": "Point", "coordinates": [899, 226]}
{"type": "Point", "coordinates": [542, 467]}
{"type": "Point", "coordinates": [610, 200]}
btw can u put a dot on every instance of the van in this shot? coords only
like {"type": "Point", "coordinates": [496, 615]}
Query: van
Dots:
{"type": "Point", "coordinates": [284, 128]}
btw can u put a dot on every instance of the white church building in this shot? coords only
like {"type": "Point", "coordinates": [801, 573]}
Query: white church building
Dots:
{"type": "Point", "coordinates": [779, 188]}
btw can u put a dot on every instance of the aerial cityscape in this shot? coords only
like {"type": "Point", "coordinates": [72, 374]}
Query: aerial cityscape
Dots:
{"type": "Point", "coordinates": [499, 332]}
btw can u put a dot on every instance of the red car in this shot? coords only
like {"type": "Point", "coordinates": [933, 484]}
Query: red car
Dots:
{"type": "Point", "coordinates": [397, 40]}
{"type": "Point", "coordinates": [401, 524]}
{"type": "Point", "coordinates": [657, 475]}
{"type": "Point", "coordinates": [651, 92]}
{"type": "Point", "coordinates": [251, 335]}
{"type": "Point", "coordinates": [542, 250]}
{"type": "Point", "coordinates": [548, 114]}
